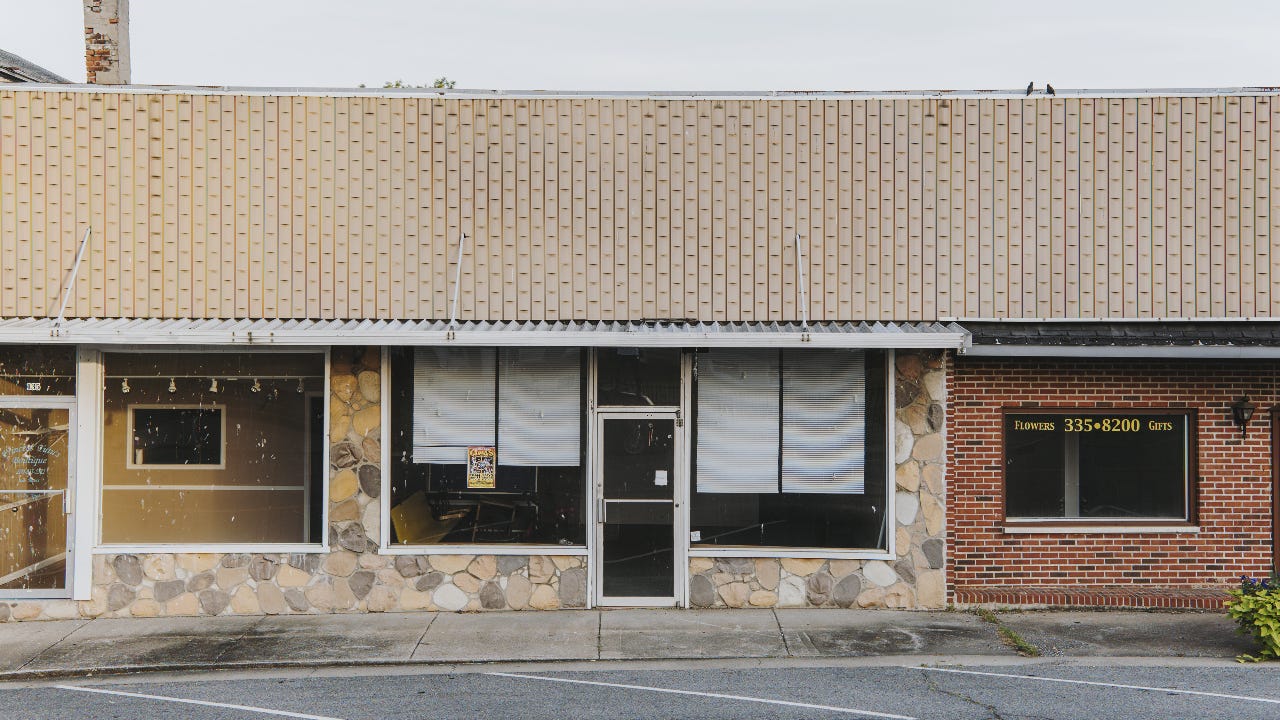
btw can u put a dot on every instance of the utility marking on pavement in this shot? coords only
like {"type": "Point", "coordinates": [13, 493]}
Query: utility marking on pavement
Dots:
{"type": "Point", "coordinates": [1175, 691]}
{"type": "Point", "coordinates": [205, 703]}
{"type": "Point", "coordinates": [744, 698]}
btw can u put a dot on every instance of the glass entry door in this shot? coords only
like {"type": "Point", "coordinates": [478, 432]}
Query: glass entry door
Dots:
{"type": "Point", "coordinates": [637, 510]}
{"type": "Point", "coordinates": [35, 465]}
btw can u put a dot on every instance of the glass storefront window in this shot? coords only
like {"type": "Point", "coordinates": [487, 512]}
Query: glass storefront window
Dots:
{"type": "Point", "coordinates": [638, 376]}
{"type": "Point", "coordinates": [1104, 464]}
{"type": "Point", "coordinates": [789, 449]}
{"type": "Point", "coordinates": [212, 448]}
{"type": "Point", "coordinates": [37, 370]}
{"type": "Point", "coordinates": [487, 446]}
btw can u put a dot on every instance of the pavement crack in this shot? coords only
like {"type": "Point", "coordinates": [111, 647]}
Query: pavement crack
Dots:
{"type": "Point", "coordinates": [786, 646]}
{"type": "Point", "coordinates": [930, 681]}
{"type": "Point", "coordinates": [599, 635]}
{"type": "Point", "coordinates": [252, 628]}
{"type": "Point", "coordinates": [52, 645]}
{"type": "Point", "coordinates": [423, 636]}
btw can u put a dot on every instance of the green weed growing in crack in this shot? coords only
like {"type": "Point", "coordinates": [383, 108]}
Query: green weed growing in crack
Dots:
{"type": "Point", "coordinates": [1008, 635]}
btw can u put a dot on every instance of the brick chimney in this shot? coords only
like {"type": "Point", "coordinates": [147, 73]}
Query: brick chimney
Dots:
{"type": "Point", "coordinates": [106, 41]}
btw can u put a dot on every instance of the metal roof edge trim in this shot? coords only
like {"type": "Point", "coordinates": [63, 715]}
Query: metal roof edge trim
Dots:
{"type": "Point", "coordinates": [976, 94]}
{"type": "Point", "coordinates": [290, 333]}
{"type": "Point", "coordinates": [1186, 352]}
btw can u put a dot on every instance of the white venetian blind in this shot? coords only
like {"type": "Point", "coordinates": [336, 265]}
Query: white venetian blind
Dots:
{"type": "Point", "coordinates": [823, 422]}
{"type": "Point", "coordinates": [738, 421]}
{"type": "Point", "coordinates": [540, 401]}
{"type": "Point", "coordinates": [453, 403]}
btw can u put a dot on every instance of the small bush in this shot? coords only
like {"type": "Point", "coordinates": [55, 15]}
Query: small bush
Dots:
{"type": "Point", "coordinates": [1255, 606]}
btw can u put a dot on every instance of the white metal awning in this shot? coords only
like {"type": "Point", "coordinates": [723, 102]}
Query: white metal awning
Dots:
{"type": "Point", "coordinates": [148, 331]}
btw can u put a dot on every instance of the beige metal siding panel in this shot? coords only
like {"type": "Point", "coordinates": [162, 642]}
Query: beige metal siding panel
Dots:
{"type": "Point", "coordinates": [829, 267]}
{"type": "Point", "coordinates": [264, 253]}
{"type": "Point", "coordinates": [1230, 203]}
{"type": "Point", "coordinates": [9, 159]}
{"type": "Point", "coordinates": [731, 226]}
{"type": "Point", "coordinates": [590, 284]}
{"type": "Point", "coordinates": [985, 208]}
{"type": "Point", "coordinates": [1273, 225]}
{"type": "Point", "coordinates": [1191, 149]}
{"type": "Point", "coordinates": [1159, 208]}
{"type": "Point", "coordinates": [1245, 194]}
{"type": "Point", "coordinates": [1203, 271]}
{"type": "Point", "coordinates": [1261, 198]}
{"type": "Point", "coordinates": [225, 206]}
{"type": "Point", "coordinates": [1130, 268]}
{"type": "Point", "coordinates": [1174, 189]}
{"type": "Point", "coordinates": [646, 225]}
{"type": "Point", "coordinates": [900, 284]}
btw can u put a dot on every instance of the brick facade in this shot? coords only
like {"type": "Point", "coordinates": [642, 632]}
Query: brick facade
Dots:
{"type": "Point", "coordinates": [1232, 506]}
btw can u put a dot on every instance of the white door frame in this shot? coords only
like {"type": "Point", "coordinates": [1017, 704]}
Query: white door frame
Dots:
{"type": "Point", "coordinates": [679, 514]}
{"type": "Point", "coordinates": [54, 402]}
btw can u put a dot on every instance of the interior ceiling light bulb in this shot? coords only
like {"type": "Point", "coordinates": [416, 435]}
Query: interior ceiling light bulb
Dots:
{"type": "Point", "coordinates": [124, 385]}
{"type": "Point", "coordinates": [300, 387]}
{"type": "Point", "coordinates": [213, 385]}
{"type": "Point", "coordinates": [173, 386]}
{"type": "Point", "coordinates": [257, 386]}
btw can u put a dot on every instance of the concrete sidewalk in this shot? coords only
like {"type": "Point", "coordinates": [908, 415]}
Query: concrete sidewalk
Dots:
{"type": "Point", "coordinates": [84, 647]}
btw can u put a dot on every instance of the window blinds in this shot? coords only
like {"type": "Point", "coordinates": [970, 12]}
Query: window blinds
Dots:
{"type": "Point", "coordinates": [539, 407]}
{"type": "Point", "coordinates": [738, 421]}
{"type": "Point", "coordinates": [525, 401]}
{"type": "Point", "coordinates": [823, 421]}
{"type": "Point", "coordinates": [453, 403]}
{"type": "Point", "coordinates": [821, 413]}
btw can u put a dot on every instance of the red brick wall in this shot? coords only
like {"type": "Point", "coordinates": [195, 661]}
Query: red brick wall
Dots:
{"type": "Point", "coordinates": [1234, 488]}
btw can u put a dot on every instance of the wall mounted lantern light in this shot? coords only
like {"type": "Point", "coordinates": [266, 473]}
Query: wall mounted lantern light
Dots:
{"type": "Point", "coordinates": [1242, 413]}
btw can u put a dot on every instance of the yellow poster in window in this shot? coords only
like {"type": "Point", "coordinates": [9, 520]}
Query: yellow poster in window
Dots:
{"type": "Point", "coordinates": [482, 466]}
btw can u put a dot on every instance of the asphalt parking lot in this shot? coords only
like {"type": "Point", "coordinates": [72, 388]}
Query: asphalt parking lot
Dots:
{"type": "Point", "coordinates": [692, 689]}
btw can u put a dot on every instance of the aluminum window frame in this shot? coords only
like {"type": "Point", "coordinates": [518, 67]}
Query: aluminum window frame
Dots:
{"type": "Point", "coordinates": [773, 551]}
{"type": "Point", "coordinates": [91, 396]}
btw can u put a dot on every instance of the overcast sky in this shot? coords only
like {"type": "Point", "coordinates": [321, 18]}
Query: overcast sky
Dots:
{"type": "Point", "coordinates": [675, 44]}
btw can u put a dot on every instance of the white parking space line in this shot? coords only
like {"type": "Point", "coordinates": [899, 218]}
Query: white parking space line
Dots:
{"type": "Point", "coordinates": [1103, 684]}
{"type": "Point", "coordinates": [205, 703]}
{"type": "Point", "coordinates": [743, 698]}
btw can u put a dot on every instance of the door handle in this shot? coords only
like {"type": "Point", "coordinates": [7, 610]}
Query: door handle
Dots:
{"type": "Point", "coordinates": [601, 512]}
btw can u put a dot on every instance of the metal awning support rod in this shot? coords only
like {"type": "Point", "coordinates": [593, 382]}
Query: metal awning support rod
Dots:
{"type": "Point", "coordinates": [804, 286]}
{"type": "Point", "coordinates": [71, 278]}
{"type": "Point", "coordinates": [457, 282]}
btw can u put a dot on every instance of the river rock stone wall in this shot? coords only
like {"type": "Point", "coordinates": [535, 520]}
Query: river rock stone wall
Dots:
{"type": "Point", "coordinates": [915, 578]}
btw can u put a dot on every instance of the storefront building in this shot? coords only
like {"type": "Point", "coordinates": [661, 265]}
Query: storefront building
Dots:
{"type": "Point", "coordinates": [285, 352]}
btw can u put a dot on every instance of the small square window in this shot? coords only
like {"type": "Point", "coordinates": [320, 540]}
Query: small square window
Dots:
{"type": "Point", "coordinates": [176, 436]}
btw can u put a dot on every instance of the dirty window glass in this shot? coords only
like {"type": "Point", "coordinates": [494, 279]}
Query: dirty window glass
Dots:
{"type": "Point", "coordinates": [212, 447]}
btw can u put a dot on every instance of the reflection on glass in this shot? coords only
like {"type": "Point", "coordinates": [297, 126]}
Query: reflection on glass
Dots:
{"type": "Point", "coordinates": [534, 403]}
{"type": "Point", "coordinates": [638, 376]}
{"type": "Point", "coordinates": [37, 370]}
{"type": "Point", "coordinates": [34, 456]}
{"type": "Point", "coordinates": [211, 448]}
{"type": "Point", "coordinates": [808, 520]}
{"type": "Point", "coordinates": [638, 466]}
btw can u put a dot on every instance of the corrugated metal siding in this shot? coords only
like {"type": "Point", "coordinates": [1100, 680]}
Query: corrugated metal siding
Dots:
{"type": "Point", "coordinates": [217, 205]}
